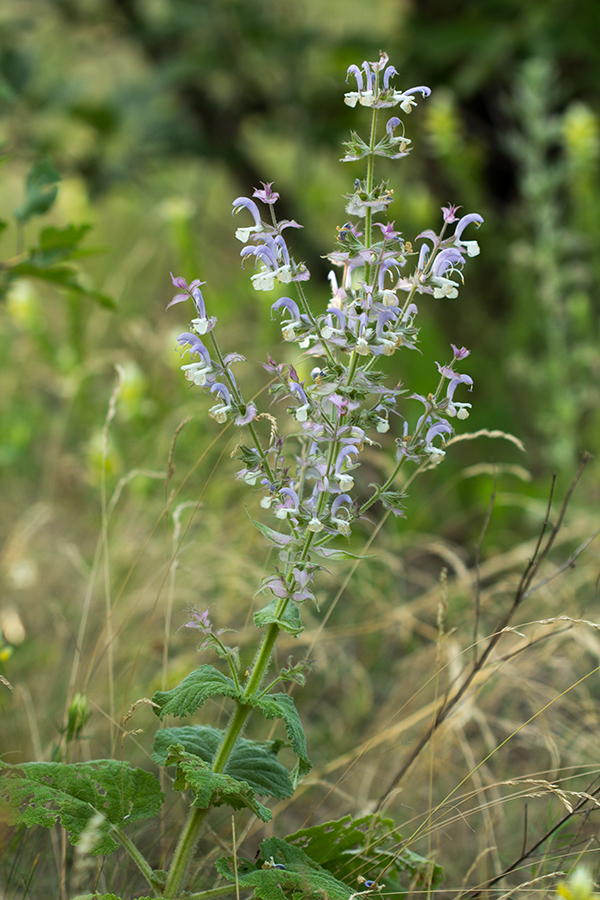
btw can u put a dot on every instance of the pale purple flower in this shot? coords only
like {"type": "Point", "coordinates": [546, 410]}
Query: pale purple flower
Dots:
{"type": "Point", "coordinates": [449, 213]}
{"type": "Point", "coordinates": [266, 194]}
{"type": "Point", "coordinates": [248, 416]}
{"type": "Point", "coordinates": [186, 291]}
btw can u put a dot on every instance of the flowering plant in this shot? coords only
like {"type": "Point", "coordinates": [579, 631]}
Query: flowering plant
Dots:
{"type": "Point", "coordinates": [306, 474]}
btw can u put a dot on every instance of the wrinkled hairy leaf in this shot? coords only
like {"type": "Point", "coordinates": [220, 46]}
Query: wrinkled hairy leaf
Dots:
{"type": "Point", "coordinates": [193, 692]}
{"type": "Point", "coordinates": [290, 621]}
{"type": "Point", "coordinates": [212, 788]}
{"type": "Point", "coordinates": [281, 706]}
{"type": "Point", "coordinates": [301, 877]}
{"type": "Point", "coordinates": [366, 846]}
{"type": "Point", "coordinates": [40, 191]}
{"type": "Point", "coordinates": [45, 793]}
{"type": "Point", "coordinates": [251, 761]}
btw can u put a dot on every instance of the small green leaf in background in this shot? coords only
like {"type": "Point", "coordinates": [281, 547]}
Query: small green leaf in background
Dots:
{"type": "Point", "coordinates": [59, 243]}
{"type": "Point", "coordinates": [193, 692]}
{"type": "Point", "coordinates": [290, 621]}
{"type": "Point", "coordinates": [43, 793]}
{"type": "Point", "coordinates": [253, 762]}
{"type": "Point", "coordinates": [301, 877]}
{"type": "Point", "coordinates": [281, 706]}
{"type": "Point", "coordinates": [212, 788]}
{"type": "Point", "coordinates": [41, 188]}
{"type": "Point", "coordinates": [62, 276]}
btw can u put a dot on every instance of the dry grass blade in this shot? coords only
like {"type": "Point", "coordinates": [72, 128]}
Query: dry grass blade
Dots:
{"type": "Point", "coordinates": [540, 553]}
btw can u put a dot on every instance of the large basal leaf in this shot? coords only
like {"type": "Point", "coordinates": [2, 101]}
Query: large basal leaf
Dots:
{"type": "Point", "coordinates": [300, 876]}
{"type": "Point", "coordinates": [281, 706]}
{"type": "Point", "coordinates": [212, 788]}
{"type": "Point", "coordinates": [193, 692]}
{"type": "Point", "coordinates": [46, 793]}
{"type": "Point", "coordinates": [290, 621]}
{"type": "Point", "coordinates": [251, 761]}
{"type": "Point", "coordinates": [367, 846]}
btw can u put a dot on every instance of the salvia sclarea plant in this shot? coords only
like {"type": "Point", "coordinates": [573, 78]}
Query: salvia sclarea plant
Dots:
{"type": "Point", "coordinates": [305, 474]}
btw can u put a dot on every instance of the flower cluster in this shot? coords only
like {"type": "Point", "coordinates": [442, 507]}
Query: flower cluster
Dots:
{"type": "Point", "coordinates": [347, 402]}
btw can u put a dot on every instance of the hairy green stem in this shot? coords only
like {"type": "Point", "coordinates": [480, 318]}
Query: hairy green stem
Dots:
{"type": "Point", "coordinates": [183, 854]}
{"type": "Point", "coordinates": [140, 861]}
{"type": "Point", "coordinates": [213, 892]}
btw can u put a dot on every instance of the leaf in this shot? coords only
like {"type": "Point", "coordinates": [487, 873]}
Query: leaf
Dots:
{"type": "Point", "coordinates": [63, 276]}
{"type": "Point", "coordinates": [45, 793]}
{"type": "Point", "coordinates": [368, 845]}
{"type": "Point", "coordinates": [193, 692]}
{"type": "Point", "coordinates": [58, 243]}
{"type": "Point", "coordinates": [290, 621]}
{"type": "Point", "coordinates": [281, 706]}
{"type": "Point", "coordinates": [274, 537]}
{"type": "Point", "coordinates": [300, 877]}
{"type": "Point", "coordinates": [105, 897]}
{"type": "Point", "coordinates": [212, 788]}
{"type": "Point", "coordinates": [253, 762]}
{"type": "Point", "coordinates": [337, 554]}
{"type": "Point", "coordinates": [40, 191]}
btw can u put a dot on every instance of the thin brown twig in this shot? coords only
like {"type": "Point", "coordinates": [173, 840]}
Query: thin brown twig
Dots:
{"type": "Point", "coordinates": [540, 553]}
{"type": "Point", "coordinates": [526, 853]}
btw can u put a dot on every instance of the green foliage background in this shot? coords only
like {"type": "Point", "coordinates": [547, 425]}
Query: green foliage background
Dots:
{"type": "Point", "coordinates": [156, 115]}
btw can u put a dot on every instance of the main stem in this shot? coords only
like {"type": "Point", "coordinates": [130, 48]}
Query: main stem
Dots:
{"type": "Point", "coordinates": [191, 830]}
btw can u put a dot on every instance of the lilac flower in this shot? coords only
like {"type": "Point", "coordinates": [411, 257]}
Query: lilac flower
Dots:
{"type": "Point", "coordinates": [460, 354]}
{"type": "Point", "coordinates": [387, 231]}
{"type": "Point", "coordinates": [219, 411]}
{"type": "Point", "coordinates": [276, 264]}
{"type": "Point", "coordinates": [436, 454]}
{"type": "Point", "coordinates": [470, 247]}
{"type": "Point", "coordinates": [243, 234]}
{"type": "Point", "coordinates": [342, 523]}
{"type": "Point", "coordinates": [266, 194]}
{"type": "Point", "coordinates": [201, 621]}
{"type": "Point", "coordinates": [444, 286]}
{"type": "Point", "coordinates": [346, 482]}
{"type": "Point", "coordinates": [247, 416]}
{"type": "Point", "coordinates": [449, 213]}
{"type": "Point", "coordinates": [290, 505]}
{"type": "Point", "coordinates": [186, 290]}
{"type": "Point", "coordinates": [288, 328]}
{"type": "Point", "coordinates": [302, 412]}
{"type": "Point", "coordinates": [200, 373]}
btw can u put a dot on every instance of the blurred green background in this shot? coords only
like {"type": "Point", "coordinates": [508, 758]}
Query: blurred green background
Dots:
{"type": "Point", "coordinates": [156, 114]}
